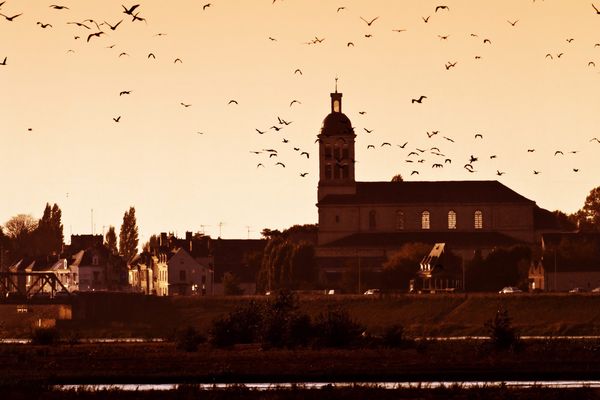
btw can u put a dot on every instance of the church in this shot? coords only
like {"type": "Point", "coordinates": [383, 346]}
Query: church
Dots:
{"type": "Point", "coordinates": [362, 223]}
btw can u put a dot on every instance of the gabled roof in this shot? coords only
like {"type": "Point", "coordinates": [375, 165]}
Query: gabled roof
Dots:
{"type": "Point", "coordinates": [453, 239]}
{"type": "Point", "coordinates": [427, 192]}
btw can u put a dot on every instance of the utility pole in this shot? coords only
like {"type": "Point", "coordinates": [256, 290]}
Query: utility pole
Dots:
{"type": "Point", "coordinates": [92, 213]}
{"type": "Point", "coordinates": [220, 228]}
{"type": "Point", "coordinates": [248, 229]}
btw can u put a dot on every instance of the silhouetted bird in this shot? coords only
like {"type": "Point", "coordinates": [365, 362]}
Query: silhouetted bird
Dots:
{"type": "Point", "coordinates": [536, 172]}
{"type": "Point", "coordinates": [280, 163]}
{"type": "Point", "coordinates": [293, 102]}
{"type": "Point", "coordinates": [412, 152]}
{"type": "Point", "coordinates": [419, 100]}
{"type": "Point", "coordinates": [549, 55]}
{"type": "Point", "coordinates": [123, 54]}
{"type": "Point", "coordinates": [3, 62]}
{"type": "Point", "coordinates": [591, 140]}
{"type": "Point", "coordinates": [448, 139]}
{"type": "Point", "coordinates": [44, 26]}
{"type": "Point", "coordinates": [185, 105]}
{"type": "Point", "coordinates": [298, 71]}
{"type": "Point", "coordinates": [385, 144]}
{"type": "Point", "coordinates": [11, 18]}
{"type": "Point", "coordinates": [272, 39]}
{"type": "Point", "coordinates": [512, 23]}
{"type": "Point", "coordinates": [487, 41]}
{"type": "Point", "coordinates": [575, 169]}
{"type": "Point", "coordinates": [113, 27]}
{"type": "Point", "coordinates": [130, 10]}
{"type": "Point", "coordinates": [414, 173]}
{"type": "Point", "coordinates": [79, 24]}
{"type": "Point", "coordinates": [59, 7]}
{"type": "Point", "coordinates": [442, 8]}
{"type": "Point", "coordinates": [433, 133]}
{"type": "Point", "coordinates": [426, 19]}
{"type": "Point", "coordinates": [437, 166]}
{"type": "Point", "coordinates": [232, 102]}
{"type": "Point", "coordinates": [492, 157]}
{"type": "Point", "coordinates": [443, 37]}
{"type": "Point", "coordinates": [370, 147]}
{"type": "Point", "coordinates": [350, 44]}
{"type": "Point", "coordinates": [448, 161]}
{"type": "Point", "coordinates": [151, 55]}
{"type": "Point", "coordinates": [530, 150]}
{"type": "Point", "coordinates": [303, 174]}
{"type": "Point", "coordinates": [369, 22]}
{"type": "Point", "coordinates": [597, 11]}
{"type": "Point", "coordinates": [591, 64]}
{"type": "Point", "coordinates": [97, 34]}
{"type": "Point", "coordinates": [176, 60]}
{"type": "Point", "coordinates": [304, 153]}
{"type": "Point", "coordinates": [398, 30]}
{"type": "Point", "coordinates": [557, 152]}
{"type": "Point", "coordinates": [117, 119]}
{"type": "Point", "coordinates": [570, 40]}
{"type": "Point", "coordinates": [402, 146]}
{"type": "Point", "coordinates": [340, 9]}
{"type": "Point", "coordinates": [368, 131]}
{"type": "Point", "coordinates": [450, 65]}
{"type": "Point", "coordinates": [204, 7]}
{"type": "Point", "coordinates": [500, 173]}
{"type": "Point", "coordinates": [125, 92]}
{"type": "Point", "coordinates": [473, 159]}
{"type": "Point", "coordinates": [259, 165]}
{"type": "Point", "coordinates": [478, 135]}
{"type": "Point", "coordinates": [272, 155]}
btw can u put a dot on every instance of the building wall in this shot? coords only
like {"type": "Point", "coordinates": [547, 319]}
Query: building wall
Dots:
{"type": "Point", "coordinates": [187, 277]}
{"type": "Point", "coordinates": [336, 222]}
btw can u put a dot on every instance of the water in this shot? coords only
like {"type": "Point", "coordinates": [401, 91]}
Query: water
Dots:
{"type": "Point", "coordinates": [92, 340]}
{"type": "Point", "coordinates": [264, 386]}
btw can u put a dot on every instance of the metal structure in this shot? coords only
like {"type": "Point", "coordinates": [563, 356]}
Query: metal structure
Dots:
{"type": "Point", "coordinates": [28, 284]}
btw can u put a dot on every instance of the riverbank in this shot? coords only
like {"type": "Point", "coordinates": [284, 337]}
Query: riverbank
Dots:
{"type": "Point", "coordinates": [359, 392]}
{"type": "Point", "coordinates": [421, 361]}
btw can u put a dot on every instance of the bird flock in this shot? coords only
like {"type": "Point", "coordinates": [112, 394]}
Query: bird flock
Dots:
{"type": "Point", "coordinates": [435, 150]}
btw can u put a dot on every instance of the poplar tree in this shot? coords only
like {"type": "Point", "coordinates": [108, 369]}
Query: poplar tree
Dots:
{"type": "Point", "coordinates": [128, 237]}
{"type": "Point", "coordinates": [110, 240]}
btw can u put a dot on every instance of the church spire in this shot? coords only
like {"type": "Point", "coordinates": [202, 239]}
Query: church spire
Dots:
{"type": "Point", "coordinates": [336, 99]}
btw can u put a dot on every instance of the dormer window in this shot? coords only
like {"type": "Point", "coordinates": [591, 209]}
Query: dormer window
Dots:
{"type": "Point", "coordinates": [451, 219]}
{"type": "Point", "coordinates": [478, 219]}
{"type": "Point", "coordinates": [425, 223]}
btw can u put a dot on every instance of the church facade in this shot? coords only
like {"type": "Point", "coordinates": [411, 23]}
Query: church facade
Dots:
{"type": "Point", "coordinates": [362, 223]}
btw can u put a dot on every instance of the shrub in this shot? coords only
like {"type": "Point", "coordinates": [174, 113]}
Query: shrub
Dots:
{"type": "Point", "coordinates": [393, 336]}
{"type": "Point", "coordinates": [502, 335]}
{"type": "Point", "coordinates": [44, 336]}
{"type": "Point", "coordinates": [243, 325]}
{"type": "Point", "coordinates": [335, 328]}
{"type": "Point", "coordinates": [189, 339]}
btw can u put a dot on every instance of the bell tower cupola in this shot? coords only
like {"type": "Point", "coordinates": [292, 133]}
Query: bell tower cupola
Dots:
{"type": "Point", "coordinates": [336, 151]}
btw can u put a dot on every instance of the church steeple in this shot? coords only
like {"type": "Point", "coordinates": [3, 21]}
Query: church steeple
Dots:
{"type": "Point", "coordinates": [336, 151]}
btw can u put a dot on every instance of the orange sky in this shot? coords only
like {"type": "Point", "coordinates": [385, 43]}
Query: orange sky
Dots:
{"type": "Point", "coordinates": [179, 180]}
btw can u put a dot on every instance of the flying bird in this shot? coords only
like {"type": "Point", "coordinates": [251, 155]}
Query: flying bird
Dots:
{"type": "Point", "coordinates": [472, 159]}
{"type": "Point", "coordinates": [433, 133]}
{"type": "Point", "coordinates": [500, 173]}
{"type": "Point", "coordinates": [536, 172]}
{"type": "Point", "coordinates": [512, 23]}
{"type": "Point", "coordinates": [280, 163]}
{"type": "Point", "coordinates": [478, 135]}
{"type": "Point", "coordinates": [204, 7]}
{"type": "Point", "coordinates": [402, 146]}
{"type": "Point", "coordinates": [591, 64]}
{"type": "Point", "coordinates": [151, 55]}
{"type": "Point", "coordinates": [298, 71]}
{"type": "Point", "coordinates": [259, 131]}
{"type": "Point", "coordinates": [370, 146]}
{"type": "Point", "coordinates": [11, 18]}
{"type": "Point", "coordinates": [591, 140]}
{"type": "Point", "coordinates": [272, 155]}
{"type": "Point", "coordinates": [232, 102]}
{"type": "Point", "coordinates": [113, 27]}
{"type": "Point", "coordinates": [398, 30]}
{"type": "Point", "coordinates": [369, 22]}
{"type": "Point", "coordinates": [123, 54]}
{"type": "Point", "coordinates": [575, 169]}
{"type": "Point", "coordinates": [597, 11]}
{"type": "Point", "coordinates": [272, 39]}
{"type": "Point", "coordinates": [130, 10]}
{"type": "Point", "coordinates": [185, 105]}
{"type": "Point", "coordinates": [557, 152]}
{"type": "Point", "coordinates": [294, 101]}
{"type": "Point", "coordinates": [97, 34]}
{"type": "Point", "coordinates": [340, 9]}
{"type": "Point", "coordinates": [125, 92]}
{"type": "Point", "coordinates": [450, 65]}
{"type": "Point", "coordinates": [178, 59]}
{"type": "Point", "coordinates": [414, 173]}
{"type": "Point", "coordinates": [41, 24]}
{"type": "Point", "coordinates": [437, 166]}
{"type": "Point", "coordinates": [426, 19]}
{"type": "Point", "coordinates": [448, 139]}
{"type": "Point", "coordinates": [385, 144]}
{"type": "Point", "coordinates": [80, 24]}
{"type": "Point", "coordinates": [443, 37]}
{"type": "Point", "coordinates": [419, 100]}
{"type": "Point", "coordinates": [570, 40]}
{"type": "Point", "coordinates": [530, 150]}
{"type": "Point", "coordinates": [56, 7]}
{"type": "Point", "coordinates": [362, 112]}
{"type": "Point", "coordinates": [4, 63]}
{"type": "Point", "coordinates": [368, 131]}
{"type": "Point", "coordinates": [304, 153]}
{"type": "Point", "coordinates": [117, 119]}
{"type": "Point", "coordinates": [277, 129]}
{"type": "Point", "coordinates": [259, 165]}
{"type": "Point", "coordinates": [442, 8]}
{"type": "Point", "coordinates": [487, 41]}
{"type": "Point", "coordinates": [350, 44]}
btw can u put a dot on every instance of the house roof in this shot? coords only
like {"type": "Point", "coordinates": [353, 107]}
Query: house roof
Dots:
{"type": "Point", "coordinates": [453, 239]}
{"type": "Point", "coordinates": [545, 220]}
{"type": "Point", "coordinates": [426, 192]}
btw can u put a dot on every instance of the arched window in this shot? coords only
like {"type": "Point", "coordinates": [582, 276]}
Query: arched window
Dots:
{"type": "Point", "coordinates": [328, 171]}
{"type": "Point", "coordinates": [425, 224]}
{"type": "Point", "coordinates": [451, 219]}
{"type": "Point", "coordinates": [399, 220]}
{"type": "Point", "coordinates": [478, 219]}
{"type": "Point", "coordinates": [372, 219]}
{"type": "Point", "coordinates": [328, 152]}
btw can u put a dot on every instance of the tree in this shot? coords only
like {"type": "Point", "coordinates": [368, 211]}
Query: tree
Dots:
{"type": "Point", "coordinates": [110, 240]}
{"type": "Point", "coordinates": [589, 216]}
{"type": "Point", "coordinates": [402, 266]}
{"type": "Point", "coordinates": [231, 285]}
{"type": "Point", "coordinates": [48, 236]}
{"type": "Point", "coordinates": [397, 178]}
{"type": "Point", "coordinates": [20, 225]}
{"type": "Point", "coordinates": [128, 237]}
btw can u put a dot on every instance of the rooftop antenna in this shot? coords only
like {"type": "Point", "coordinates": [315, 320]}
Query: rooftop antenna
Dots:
{"type": "Point", "coordinates": [248, 229]}
{"type": "Point", "coordinates": [336, 79]}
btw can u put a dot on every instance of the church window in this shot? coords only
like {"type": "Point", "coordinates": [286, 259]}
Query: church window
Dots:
{"type": "Point", "coordinates": [328, 171]}
{"type": "Point", "coordinates": [425, 224]}
{"type": "Point", "coordinates": [451, 219]}
{"type": "Point", "coordinates": [399, 220]}
{"type": "Point", "coordinates": [372, 220]}
{"type": "Point", "coordinates": [478, 219]}
{"type": "Point", "coordinates": [345, 151]}
{"type": "Point", "coordinates": [328, 153]}
{"type": "Point", "coordinates": [336, 172]}
{"type": "Point", "coordinates": [336, 151]}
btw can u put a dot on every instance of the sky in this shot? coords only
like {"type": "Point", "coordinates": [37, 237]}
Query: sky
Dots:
{"type": "Point", "coordinates": [192, 168]}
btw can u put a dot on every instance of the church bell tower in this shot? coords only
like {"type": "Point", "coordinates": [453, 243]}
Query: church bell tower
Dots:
{"type": "Point", "coordinates": [336, 152]}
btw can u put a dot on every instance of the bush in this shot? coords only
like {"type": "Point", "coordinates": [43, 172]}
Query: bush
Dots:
{"type": "Point", "coordinates": [243, 325]}
{"type": "Point", "coordinates": [393, 336]}
{"type": "Point", "coordinates": [502, 335]}
{"type": "Point", "coordinates": [44, 336]}
{"type": "Point", "coordinates": [335, 328]}
{"type": "Point", "coordinates": [189, 339]}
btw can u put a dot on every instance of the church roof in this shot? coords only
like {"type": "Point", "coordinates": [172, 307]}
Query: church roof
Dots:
{"type": "Point", "coordinates": [427, 192]}
{"type": "Point", "coordinates": [337, 123]}
{"type": "Point", "coordinates": [453, 239]}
